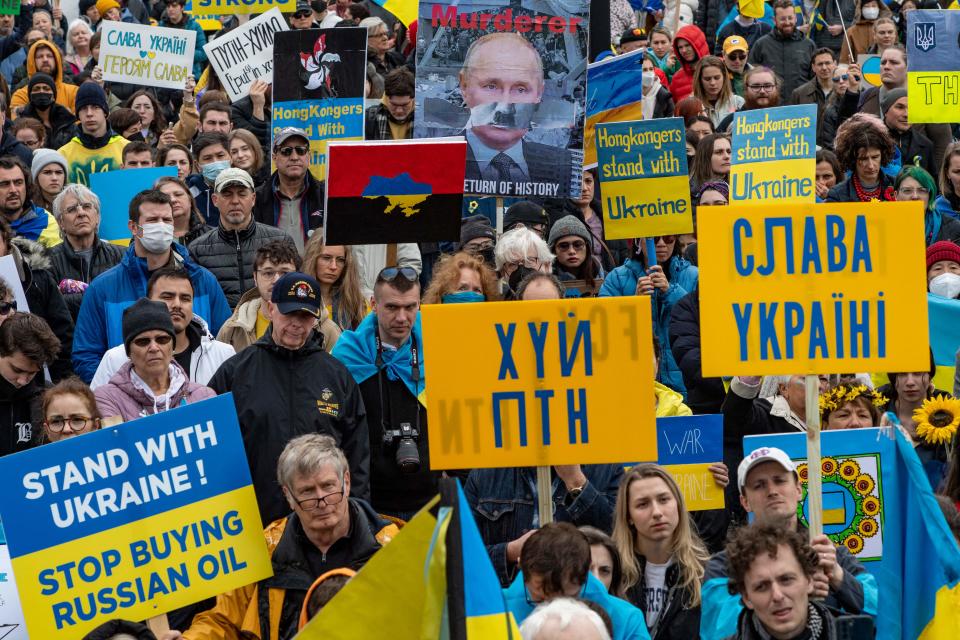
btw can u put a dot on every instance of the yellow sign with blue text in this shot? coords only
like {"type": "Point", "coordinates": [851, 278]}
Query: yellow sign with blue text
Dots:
{"type": "Point", "coordinates": [232, 7]}
{"type": "Point", "coordinates": [813, 288]}
{"type": "Point", "coordinates": [643, 174]}
{"type": "Point", "coordinates": [514, 384]}
{"type": "Point", "coordinates": [132, 521]}
{"type": "Point", "coordinates": [773, 155]}
{"type": "Point", "coordinates": [933, 70]}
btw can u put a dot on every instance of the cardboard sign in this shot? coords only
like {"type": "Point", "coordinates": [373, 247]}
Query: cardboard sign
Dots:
{"type": "Point", "coordinates": [870, 68]}
{"type": "Point", "coordinates": [11, 277]}
{"type": "Point", "coordinates": [231, 7]}
{"type": "Point", "coordinates": [525, 141]}
{"type": "Point", "coordinates": [9, 8]}
{"type": "Point", "coordinates": [132, 521]}
{"type": "Point", "coordinates": [12, 626]}
{"type": "Point", "coordinates": [386, 192]}
{"type": "Point", "coordinates": [116, 189]}
{"type": "Point", "coordinates": [933, 66]}
{"type": "Point", "coordinates": [245, 54]}
{"type": "Point", "coordinates": [816, 288]}
{"type": "Point", "coordinates": [643, 175]}
{"type": "Point", "coordinates": [318, 87]}
{"type": "Point", "coordinates": [547, 385]}
{"type": "Point", "coordinates": [146, 55]}
{"type": "Point", "coordinates": [774, 155]}
{"type": "Point", "coordinates": [614, 94]}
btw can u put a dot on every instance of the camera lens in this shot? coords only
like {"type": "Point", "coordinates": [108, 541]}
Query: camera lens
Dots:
{"type": "Point", "coordinates": [408, 457]}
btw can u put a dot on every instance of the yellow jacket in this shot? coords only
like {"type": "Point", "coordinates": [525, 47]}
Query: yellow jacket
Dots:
{"type": "Point", "coordinates": [66, 93]}
{"type": "Point", "coordinates": [669, 402]}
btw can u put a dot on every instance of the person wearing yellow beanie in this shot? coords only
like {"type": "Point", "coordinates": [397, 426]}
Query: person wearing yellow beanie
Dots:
{"type": "Point", "coordinates": [109, 9]}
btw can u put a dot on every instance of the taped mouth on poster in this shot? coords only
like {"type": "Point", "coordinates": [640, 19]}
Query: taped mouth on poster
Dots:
{"type": "Point", "coordinates": [842, 327]}
{"type": "Point", "coordinates": [172, 468]}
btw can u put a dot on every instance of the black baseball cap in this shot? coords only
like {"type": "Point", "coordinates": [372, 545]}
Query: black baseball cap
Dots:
{"type": "Point", "coordinates": [297, 292]}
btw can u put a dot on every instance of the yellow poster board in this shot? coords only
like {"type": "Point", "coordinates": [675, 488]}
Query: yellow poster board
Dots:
{"type": "Point", "coordinates": [514, 384]}
{"type": "Point", "coordinates": [231, 7]}
{"type": "Point", "coordinates": [813, 288]}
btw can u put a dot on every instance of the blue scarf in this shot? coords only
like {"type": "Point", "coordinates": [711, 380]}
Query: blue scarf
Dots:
{"type": "Point", "coordinates": [357, 350]}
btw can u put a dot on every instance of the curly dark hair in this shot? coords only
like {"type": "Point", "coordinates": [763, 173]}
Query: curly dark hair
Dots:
{"type": "Point", "coordinates": [862, 131]}
{"type": "Point", "coordinates": [751, 541]}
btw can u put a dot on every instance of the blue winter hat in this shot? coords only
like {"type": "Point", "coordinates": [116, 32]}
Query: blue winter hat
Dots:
{"type": "Point", "coordinates": [90, 93]}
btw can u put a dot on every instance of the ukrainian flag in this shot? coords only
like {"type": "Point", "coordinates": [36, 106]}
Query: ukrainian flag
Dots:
{"type": "Point", "coordinates": [405, 10]}
{"type": "Point", "coordinates": [434, 580]}
{"type": "Point", "coordinates": [614, 94]}
{"type": "Point", "coordinates": [944, 319]}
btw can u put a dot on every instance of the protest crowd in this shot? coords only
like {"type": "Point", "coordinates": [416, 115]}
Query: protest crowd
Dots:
{"type": "Point", "coordinates": [220, 281]}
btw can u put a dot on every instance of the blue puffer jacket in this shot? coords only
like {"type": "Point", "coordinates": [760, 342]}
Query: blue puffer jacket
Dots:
{"type": "Point", "coordinates": [101, 313]}
{"type": "Point", "coordinates": [942, 205]}
{"type": "Point", "coordinates": [682, 275]}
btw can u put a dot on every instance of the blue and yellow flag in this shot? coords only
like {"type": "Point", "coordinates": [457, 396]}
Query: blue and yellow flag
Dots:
{"type": "Point", "coordinates": [405, 10]}
{"type": "Point", "coordinates": [944, 320]}
{"type": "Point", "coordinates": [614, 94]}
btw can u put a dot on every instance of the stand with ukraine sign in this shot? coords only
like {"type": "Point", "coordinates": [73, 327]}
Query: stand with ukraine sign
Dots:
{"type": "Point", "coordinates": [811, 289]}
{"type": "Point", "coordinates": [132, 521]}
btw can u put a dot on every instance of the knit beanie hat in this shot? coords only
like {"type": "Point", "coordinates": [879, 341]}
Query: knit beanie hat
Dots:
{"type": "Point", "coordinates": [42, 78]}
{"type": "Point", "coordinates": [942, 250]}
{"type": "Point", "coordinates": [892, 96]}
{"type": "Point", "coordinates": [43, 157]}
{"type": "Point", "coordinates": [85, 6]}
{"type": "Point", "coordinates": [90, 93]}
{"type": "Point", "coordinates": [105, 5]}
{"type": "Point", "coordinates": [719, 186]}
{"type": "Point", "coordinates": [568, 226]}
{"type": "Point", "coordinates": [474, 227]}
{"type": "Point", "coordinates": [525, 212]}
{"type": "Point", "coordinates": [145, 315]}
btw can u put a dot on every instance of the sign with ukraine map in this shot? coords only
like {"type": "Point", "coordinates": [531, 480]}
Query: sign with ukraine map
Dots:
{"type": "Point", "coordinates": [386, 192]}
{"type": "Point", "coordinates": [132, 521]}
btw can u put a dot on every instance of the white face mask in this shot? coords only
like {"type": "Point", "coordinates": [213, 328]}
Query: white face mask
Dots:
{"type": "Point", "coordinates": [946, 285]}
{"type": "Point", "coordinates": [157, 236]}
{"type": "Point", "coordinates": [871, 13]}
{"type": "Point", "coordinates": [649, 77]}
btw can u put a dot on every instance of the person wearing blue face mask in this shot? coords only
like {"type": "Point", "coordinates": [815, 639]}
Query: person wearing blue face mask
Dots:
{"type": "Point", "coordinates": [462, 277]}
{"type": "Point", "coordinates": [212, 153]}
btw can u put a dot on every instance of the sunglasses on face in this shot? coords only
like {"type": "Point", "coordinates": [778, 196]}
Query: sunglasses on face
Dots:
{"type": "Point", "coordinates": [577, 245]}
{"type": "Point", "coordinates": [303, 14]}
{"type": "Point", "coordinates": [8, 307]}
{"type": "Point", "coordinates": [840, 77]}
{"type": "Point", "coordinates": [665, 239]}
{"type": "Point", "coordinates": [286, 152]}
{"type": "Point", "coordinates": [737, 55]}
{"type": "Point", "coordinates": [392, 273]}
{"type": "Point", "coordinates": [162, 341]}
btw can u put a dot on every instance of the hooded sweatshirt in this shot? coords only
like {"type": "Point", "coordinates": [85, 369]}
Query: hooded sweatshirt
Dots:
{"type": "Point", "coordinates": [681, 85]}
{"type": "Point", "coordinates": [66, 93]}
{"type": "Point", "coordinates": [128, 396]}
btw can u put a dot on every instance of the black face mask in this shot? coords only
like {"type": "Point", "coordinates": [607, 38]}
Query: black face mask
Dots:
{"type": "Point", "coordinates": [488, 256]}
{"type": "Point", "coordinates": [518, 275]}
{"type": "Point", "coordinates": [41, 100]}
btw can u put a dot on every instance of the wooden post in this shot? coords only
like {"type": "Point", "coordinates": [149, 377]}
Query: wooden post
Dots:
{"type": "Point", "coordinates": [544, 495]}
{"type": "Point", "coordinates": [814, 483]}
{"type": "Point", "coordinates": [500, 213]}
{"type": "Point", "coordinates": [159, 625]}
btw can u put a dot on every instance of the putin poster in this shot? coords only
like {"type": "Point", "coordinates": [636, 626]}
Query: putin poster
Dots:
{"type": "Point", "coordinates": [511, 78]}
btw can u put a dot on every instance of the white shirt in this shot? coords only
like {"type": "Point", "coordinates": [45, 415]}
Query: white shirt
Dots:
{"type": "Point", "coordinates": [655, 590]}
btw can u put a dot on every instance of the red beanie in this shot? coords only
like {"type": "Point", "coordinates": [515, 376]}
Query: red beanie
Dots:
{"type": "Point", "coordinates": [942, 250]}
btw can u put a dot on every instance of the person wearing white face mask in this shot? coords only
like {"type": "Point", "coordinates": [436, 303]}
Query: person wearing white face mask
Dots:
{"type": "Point", "coordinates": [657, 100]}
{"type": "Point", "coordinates": [943, 269]}
{"type": "Point", "coordinates": [99, 321]}
{"type": "Point", "coordinates": [861, 36]}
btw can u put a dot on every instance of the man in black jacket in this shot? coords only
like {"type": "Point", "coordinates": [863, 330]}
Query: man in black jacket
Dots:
{"type": "Point", "coordinates": [228, 251]}
{"type": "Point", "coordinates": [785, 49]}
{"type": "Point", "coordinates": [59, 122]}
{"type": "Point", "coordinates": [914, 146]}
{"type": "Point", "coordinates": [285, 385]}
{"type": "Point", "coordinates": [82, 255]}
{"type": "Point", "coordinates": [704, 395]}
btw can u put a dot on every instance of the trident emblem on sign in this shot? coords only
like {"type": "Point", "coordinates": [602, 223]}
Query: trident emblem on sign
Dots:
{"type": "Point", "coordinates": [925, 35]}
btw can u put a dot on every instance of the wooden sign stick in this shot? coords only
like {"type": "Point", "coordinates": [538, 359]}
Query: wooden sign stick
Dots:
{"type": "Point", "coordinates": [159, 625]}
{"type": "Point", "coordinates": [814, 486]}
{"type": "Point", "coordinates": [544, 495]}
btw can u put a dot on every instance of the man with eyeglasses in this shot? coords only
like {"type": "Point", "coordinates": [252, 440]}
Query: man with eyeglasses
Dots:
{"type": "Point", "coordinates": [292, 199]}
{"type": "Point", "coordinates": [329, 528]}
{"type": "Point", "coordinates": [152, 381]}
{"type": "Point", "coordinates": [761, 90]}
{"type": "Point", "coordinates": [228, 250]}
{"type": "Point", "coordinates": [735, 50]}
{"type": "Point", "coordinates": [82, 255]}
{"type": "Point", "coordinates": [786, 49]}
{"type": "Point", "coordinates": [818, 89]}
{"type": "Point", "coordinates": [285, 385]}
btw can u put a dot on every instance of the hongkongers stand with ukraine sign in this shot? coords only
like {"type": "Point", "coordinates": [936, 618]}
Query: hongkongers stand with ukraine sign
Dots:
{"type": "Point", "coordinates": [813, 289]}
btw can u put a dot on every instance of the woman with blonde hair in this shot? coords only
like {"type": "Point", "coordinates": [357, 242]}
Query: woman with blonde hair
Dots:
{"type": "Point", "coordinates": [247, 154]}
{"type": "Point", "coordinates": [461, 277]}
{"type": "Point", "coordinates": [335, 268]}
{"type": "Point", "coordinates": [662, 557]}
{"type": "Point", "coordinates": [711, 86]}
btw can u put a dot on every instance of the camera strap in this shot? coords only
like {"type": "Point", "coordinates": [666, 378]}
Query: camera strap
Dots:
{"type": "Point", "coordinates": [414, 375]}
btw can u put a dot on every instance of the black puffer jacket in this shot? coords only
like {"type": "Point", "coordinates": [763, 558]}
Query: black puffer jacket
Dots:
{"type": "Point", "coordinates": [229, 255]}
{"type": "Point", "coordinates": [65, 263]}
{"type": "Point", "coordinates": [789, 56]}
{"type": "Point", "coordinates": [677, 618]}
{"type": "Point", "coordinates": [709, 15]}
{"type": "Point", "coordinates": [63, 124]}
{"type": "Point", "coordinates": [704, 395]}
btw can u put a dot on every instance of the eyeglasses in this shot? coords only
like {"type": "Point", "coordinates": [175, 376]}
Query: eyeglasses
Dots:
{"type": "Point", "coordinates": [528, 262]}
{"type": "Point", "coordinates": [8, 307]}
{"type": "Point", "coordinates": [913, 191]}
{"type": "Point", "coordinates": [161, 340]}
{"type": "Point", "coordinates": [76, 423]}
{"type": "Point", "coordinates": [270, 274]}
{"type": "Point", "coordinates": [86, 207]}
{"type": "Point", "coordinates": [375, 36]}
{"type": "Point", "coordinates": [737, 55]}
{"type": "Point", "coordinates": [392, 273]}
{"type": "Point", "coordinates": [577, 245]}
{"type": "Point", "coordinates": [762, 88]}
{"type": "Point", "coordinates": [309, 504]}
{"type": "Point", "coordinates": [843, 77]}
{"type": "Point", "coordinates": [327, 260]}
{"type": "Point", "coordinates": [301, 150]}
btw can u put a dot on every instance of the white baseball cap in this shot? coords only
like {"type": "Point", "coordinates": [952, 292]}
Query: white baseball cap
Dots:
{"type": "Point", "coordinates": [759, 456]}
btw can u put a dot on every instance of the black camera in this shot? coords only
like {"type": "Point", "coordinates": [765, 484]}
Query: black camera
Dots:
{"type": "Point", "coordinates": [405, 438]}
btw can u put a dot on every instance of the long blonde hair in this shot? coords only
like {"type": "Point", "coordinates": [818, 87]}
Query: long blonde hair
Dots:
{"type": "Point", "coordinates": [688, 550]}
{"type": "Point", "coordinates": [351, 307]}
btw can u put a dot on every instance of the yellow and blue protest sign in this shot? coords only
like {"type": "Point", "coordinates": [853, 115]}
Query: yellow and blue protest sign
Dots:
{"type": "Point", "coordinates": [774, 155]}
{"type": "Point", "coordinates": [116, 189]}
{"type": "Point", "coordinates": [146, 55]}
{"type": "Point", "coordinates": [813, 288]}
{"type": "Point", "coordinates": [132, 521]}
{"type": "Point", "coordinates": [614, 94]}
{"type": "Point", "coordinates": [933, 67]}
{"type": "Point", "coordinates": [231, 7]}
{"type": "Point", "coordinates": [546, 382]}
{"type": "Point", "coordinates": [643, 178]}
